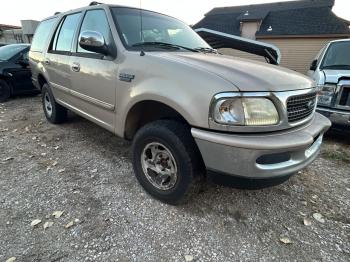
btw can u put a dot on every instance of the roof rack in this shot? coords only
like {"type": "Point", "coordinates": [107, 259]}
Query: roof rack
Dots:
{"type": "Point", "coordinates": [57, 13]}
{"type": "Point", "coordinates": [95, 3]}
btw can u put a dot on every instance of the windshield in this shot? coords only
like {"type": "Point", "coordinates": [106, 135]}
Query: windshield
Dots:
{"type": "Point", "coordinates": [9, 51]}
{"type": "Point", "coordinates": [337, 56]}
{"type": "Point", "coordinates": [156, 29]}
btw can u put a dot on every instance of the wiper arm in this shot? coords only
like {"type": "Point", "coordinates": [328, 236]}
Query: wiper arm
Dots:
{"type": "Point", "coordinates": [162, 44]}
{"type": "Point", "coordinates": [207, 50]}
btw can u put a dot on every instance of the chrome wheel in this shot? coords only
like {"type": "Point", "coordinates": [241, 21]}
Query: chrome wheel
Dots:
{"type": "Point", "coordinates": [48, 104]}
{"type": "Point", "coordinates": [159, 166]}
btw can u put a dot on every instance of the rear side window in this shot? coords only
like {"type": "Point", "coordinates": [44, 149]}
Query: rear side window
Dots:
{"type": "Point", "coordinates": [42, 34]}
{"type": "Point", "coordinates": [96, 20]}
{"type": "Point", "coordinates": [64, 35]}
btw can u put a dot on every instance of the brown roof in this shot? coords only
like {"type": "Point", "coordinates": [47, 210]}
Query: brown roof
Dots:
{"type": "Point", "coordinates": [307, 17]}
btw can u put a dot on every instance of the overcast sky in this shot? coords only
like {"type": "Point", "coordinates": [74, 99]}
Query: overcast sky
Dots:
{"type": "Point", "coordinates": [190, 11]}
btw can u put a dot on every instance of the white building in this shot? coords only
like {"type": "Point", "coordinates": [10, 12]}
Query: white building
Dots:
{"type": "Point", "coordinates": [15, 34]}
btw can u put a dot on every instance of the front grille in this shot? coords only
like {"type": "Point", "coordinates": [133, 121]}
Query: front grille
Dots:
{"type": "Point", "coordinates": [300, 107]}
{"type": "Point", "coordinates": [345, 97]}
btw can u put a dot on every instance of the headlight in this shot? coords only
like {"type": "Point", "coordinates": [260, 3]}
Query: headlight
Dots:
{"type": "Point", "coordinates": [245, 111]}
{"type": "Point", "coordinates": [326, 93]}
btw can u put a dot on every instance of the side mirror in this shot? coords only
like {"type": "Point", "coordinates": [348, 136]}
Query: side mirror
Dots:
{"type": "Point", "coordinates": [313, 66]}
{"type": "Point", "coordinates": [94, 42]}
{"type": "Point", "coordinates": [23, 61]}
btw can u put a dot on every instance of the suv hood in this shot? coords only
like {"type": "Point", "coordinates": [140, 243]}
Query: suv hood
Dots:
{"type": "Point", "coordinates": [246, 75]}
{"type": "Point", "coordinates": [333, 76]}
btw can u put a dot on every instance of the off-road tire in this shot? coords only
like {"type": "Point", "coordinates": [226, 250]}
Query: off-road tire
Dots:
{"type": "Point", "coordinates": [190, 168]}
{"type": "Point", "coordinates": [58, 113]}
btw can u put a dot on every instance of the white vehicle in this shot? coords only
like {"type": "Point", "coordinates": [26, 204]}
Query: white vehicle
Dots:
{"type": "Point", "coordinates": [331, 71]}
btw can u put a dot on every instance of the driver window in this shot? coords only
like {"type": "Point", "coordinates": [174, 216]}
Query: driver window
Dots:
{"type": "Point", "coordinates": [95, 20]}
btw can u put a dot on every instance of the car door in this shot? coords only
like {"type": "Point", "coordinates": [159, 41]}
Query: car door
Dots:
{"type": "Point", "coordinates": [57, 59]}
{"type": "Point", "coordinates": [21, 74]}
{"type": "Point", "coordinates": [94, 80]}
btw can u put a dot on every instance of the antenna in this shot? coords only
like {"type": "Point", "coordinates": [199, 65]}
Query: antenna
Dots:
{"type": "Point", "coordinates": [141, 29]}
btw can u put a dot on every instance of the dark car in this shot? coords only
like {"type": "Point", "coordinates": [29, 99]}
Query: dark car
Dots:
{"type": "Point", "coordinates": [15, 75]}
{"type": "Point", "coordinates": [2, 44]}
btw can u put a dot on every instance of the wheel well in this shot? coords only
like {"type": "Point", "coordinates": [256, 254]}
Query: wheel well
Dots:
{"type": "Point", "coordinates": [41, 80]}
{"type": "Point", "coordinates": [7, 82]}
{"type": "Point", "coordinates": [145, 112]}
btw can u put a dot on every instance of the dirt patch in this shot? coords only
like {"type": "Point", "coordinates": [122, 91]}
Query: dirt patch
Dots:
{"type": "Point", "coordinates": [86, 172]}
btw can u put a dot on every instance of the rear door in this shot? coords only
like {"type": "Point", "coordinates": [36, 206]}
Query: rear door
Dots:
{"type": "Point", "coordinates": [94, 80]}
{"type": "Point", "coordinates": [57, 59]}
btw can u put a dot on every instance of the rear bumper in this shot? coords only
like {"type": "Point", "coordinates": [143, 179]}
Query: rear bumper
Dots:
{"type": "Point", "coordinates": [262, 156]}
{"type": "Point", "coordinates": [339, 117]}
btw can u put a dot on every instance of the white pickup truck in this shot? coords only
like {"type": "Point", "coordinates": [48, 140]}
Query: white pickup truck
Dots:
{"type": "Point", "coordinates": [331, 71]}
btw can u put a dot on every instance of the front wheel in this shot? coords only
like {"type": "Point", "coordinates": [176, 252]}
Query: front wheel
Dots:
{"type": "Point", "coordinates": [54, 112]}
{"type": "Point", "coordinates": [166, 161]}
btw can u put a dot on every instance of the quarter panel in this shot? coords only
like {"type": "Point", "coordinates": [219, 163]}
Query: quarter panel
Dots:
{"type": "Point", "coordinates": [186, 89]}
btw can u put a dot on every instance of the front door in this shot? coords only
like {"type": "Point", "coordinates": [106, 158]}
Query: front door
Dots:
{"type": "Point", "coordinates": [21, 79]}
{"type": "Point", "coordinates": [94, 81]}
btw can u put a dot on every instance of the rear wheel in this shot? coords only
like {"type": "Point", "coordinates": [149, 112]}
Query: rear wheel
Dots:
{"type": "Point", "coordinates": [54, 112]}
{"type": "Point", "coordinates": [166, 161]}
{"type": "Point", "coordinates": [5, 91]}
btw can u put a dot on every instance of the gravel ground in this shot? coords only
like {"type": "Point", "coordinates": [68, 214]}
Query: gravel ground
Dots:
{"type": "Point", "coordinates": [86, 172]}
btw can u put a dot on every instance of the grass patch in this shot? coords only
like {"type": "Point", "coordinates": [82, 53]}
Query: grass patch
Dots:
{"type": "Point", "coordinates": [336, 154]}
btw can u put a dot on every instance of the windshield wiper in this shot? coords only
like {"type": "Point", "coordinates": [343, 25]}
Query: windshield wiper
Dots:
{"type": "Point", "coordinates": [164, 45]}
{"type": "Point", "coordinates": [207, 50]}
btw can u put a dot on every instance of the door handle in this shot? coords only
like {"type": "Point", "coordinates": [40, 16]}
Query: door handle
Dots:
{"type": "Point", "coordinates": [76, 67]}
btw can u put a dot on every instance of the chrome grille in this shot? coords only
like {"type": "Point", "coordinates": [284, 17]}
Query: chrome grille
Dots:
{"type": "Point", "coordinates": [301, 106]}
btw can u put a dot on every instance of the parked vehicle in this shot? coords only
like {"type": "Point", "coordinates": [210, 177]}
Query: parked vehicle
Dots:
{"type": "Point", "coordinates": [2, 44]}
{"type": "Point", "coordinates": [186, 108]}
{"type": "Point", "coordinates": [15, 74]}
{"type": "Point", "coordinates": [331, 71]}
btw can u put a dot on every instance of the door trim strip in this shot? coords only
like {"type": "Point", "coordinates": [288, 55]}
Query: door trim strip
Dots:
{"type": "Point", "coordinates": [85, 97]}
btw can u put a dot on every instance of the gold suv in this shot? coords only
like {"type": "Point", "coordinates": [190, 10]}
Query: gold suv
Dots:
{"type": "Point", "coordinates": [189, 110]}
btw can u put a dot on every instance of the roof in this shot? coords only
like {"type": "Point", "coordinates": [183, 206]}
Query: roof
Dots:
{"type": "Point", "coordinates": [340, 40]}
{"type": "Point", "coordinates": [6, 27]}
{"type": "Point", "coordinates": [307, 17]}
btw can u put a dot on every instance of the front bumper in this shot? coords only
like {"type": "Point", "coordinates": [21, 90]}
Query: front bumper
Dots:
{"type": "Point", "coordinates": [261, 156]}
{"type": "Point", "coordinates": [339, 117]}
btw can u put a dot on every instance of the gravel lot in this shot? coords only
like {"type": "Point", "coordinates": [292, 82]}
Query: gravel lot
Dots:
{"type": "Point", "coordinates": [86, 172]}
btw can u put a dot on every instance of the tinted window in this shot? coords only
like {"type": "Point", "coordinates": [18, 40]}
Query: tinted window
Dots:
{"type": "Point", "coordinates": [96, 20]}
{"type": "Point", "coordinates": [42, 34]}
{"type": "Point", "coordinates": [337, 56]}
{"type": "Point", "coordinates": [155, 28]}
{"type": "Point", "coordinates": [9, 51]}
{"type": "Point", "coordinates": [66, 33]}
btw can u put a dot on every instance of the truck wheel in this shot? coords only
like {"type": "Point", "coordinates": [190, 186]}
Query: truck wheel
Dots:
{"type": "Point", "coordinates": [5, 91]}
{"type": "Point", "coordinates": [166, 161]}
{"type": "Point", "coordinates": [54, 112]}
